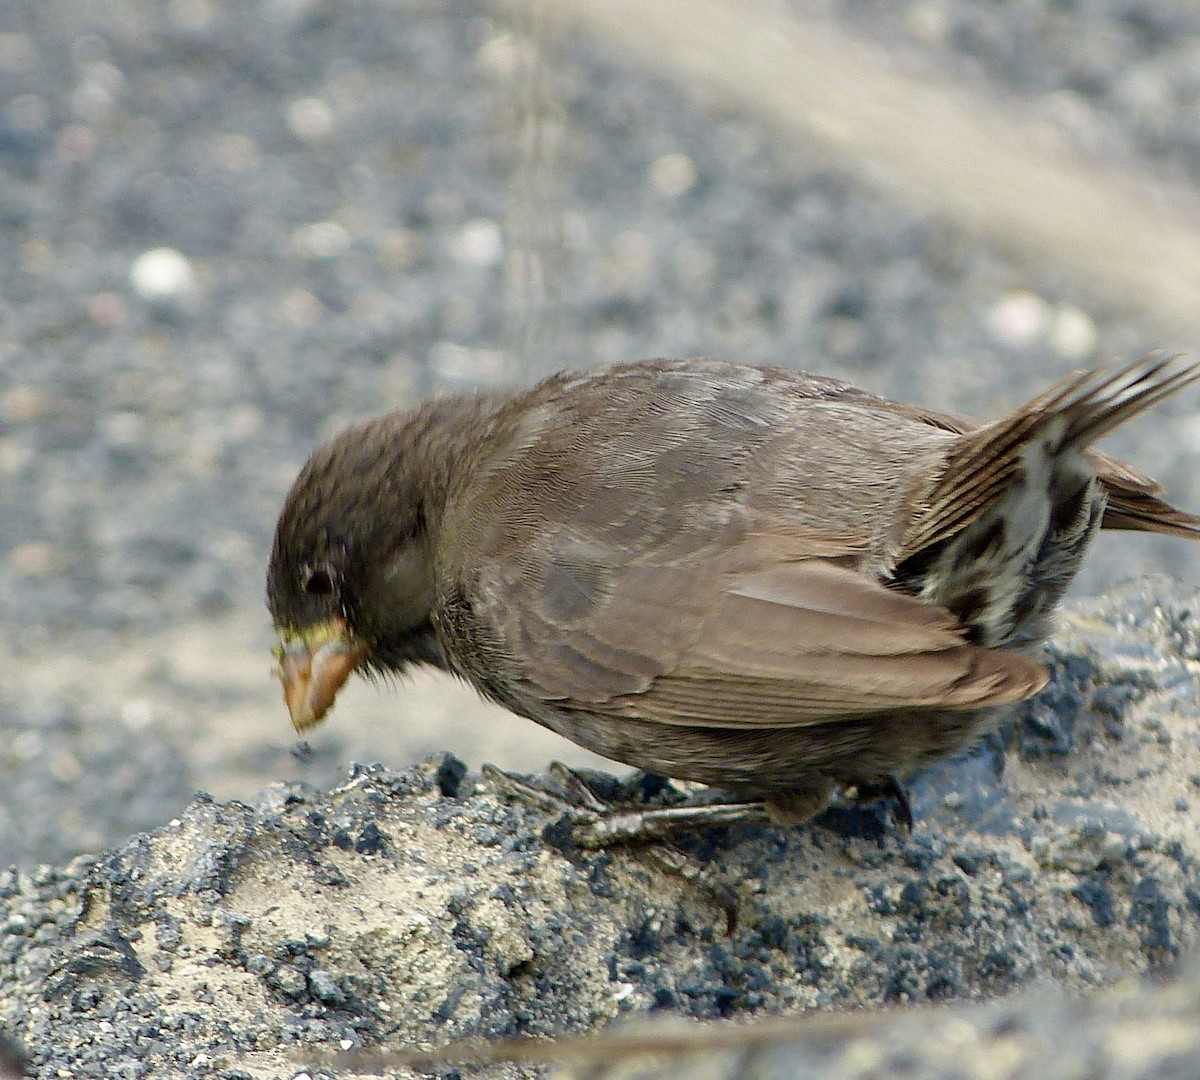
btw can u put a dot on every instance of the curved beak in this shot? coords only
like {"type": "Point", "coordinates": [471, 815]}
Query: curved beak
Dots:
{"type": "Point", "coordinates": [313, 664]}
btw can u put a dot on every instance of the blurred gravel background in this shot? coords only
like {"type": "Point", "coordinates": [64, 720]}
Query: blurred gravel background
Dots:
{"type": "Point", "coordinates": [227, 229]}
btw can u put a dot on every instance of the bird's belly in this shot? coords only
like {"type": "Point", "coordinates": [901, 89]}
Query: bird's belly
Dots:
{"type": "Point", "coordinates": [775, 761]}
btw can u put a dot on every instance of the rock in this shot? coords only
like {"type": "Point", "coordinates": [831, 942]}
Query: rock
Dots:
{"type": "Point", "coordinates": [412, 909]}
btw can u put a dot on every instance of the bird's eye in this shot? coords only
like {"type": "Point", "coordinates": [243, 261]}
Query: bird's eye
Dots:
{"type": "Point", "coordinates": [318, 583]}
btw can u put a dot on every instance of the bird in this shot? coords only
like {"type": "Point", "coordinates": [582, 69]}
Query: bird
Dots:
{"type": "Point", "coordinates": [758, 579]}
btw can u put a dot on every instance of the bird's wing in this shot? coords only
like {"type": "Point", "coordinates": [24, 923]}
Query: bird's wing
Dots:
{"type": "Point", "coordinates": [742, 639]}
{"type": "Point", "coordinates": [623, 556]}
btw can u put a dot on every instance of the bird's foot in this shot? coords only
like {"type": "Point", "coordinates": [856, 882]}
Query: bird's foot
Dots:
{"type": "Point", "coordinates": [597, 824]}
{"type": "Point", "coordinates": [888, 788]}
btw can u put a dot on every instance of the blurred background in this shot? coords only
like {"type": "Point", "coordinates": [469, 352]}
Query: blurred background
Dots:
{"type": "Point", "coordinates": [229, 228]}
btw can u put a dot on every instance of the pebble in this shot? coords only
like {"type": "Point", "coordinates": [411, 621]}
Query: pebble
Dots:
{"type": "Point", "coordinates": [478, 243]}
{"type": "Point", "coordinates": [321, 240]}
{"type": "Point", "coordinates": [161, 274]}
{"type": "Point", "coordinates": [673, 174]}
{"type": "Point", "coordinates": [1019, 320]}
{"type": "Point", "coordinates": [310, 119]}
{"type": "Point", "coordinates": [1072, 333]}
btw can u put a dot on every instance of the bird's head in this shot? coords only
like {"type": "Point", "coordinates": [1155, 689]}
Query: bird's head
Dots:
{"type": "Point", "coordinates": [350, 585]}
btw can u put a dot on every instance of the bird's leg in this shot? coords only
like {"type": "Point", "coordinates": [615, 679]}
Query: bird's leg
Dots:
{"type": "Point", "coordinates": [889, 787]}
{"type": "Point", "coordinates": [596, 824]}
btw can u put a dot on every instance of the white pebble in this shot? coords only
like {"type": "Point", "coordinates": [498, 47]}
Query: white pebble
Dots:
{"type": "Point", "coordinates": [478, 243]}
{"type": "Point", "coordinates": [500, 55]}
{"type": "Point", "coordinates": [321, 240]}
{"type": "Point", "coordinates": [310, 119]}
{"type": "Point", "coordinates": [161, 274]}
{"type": "Point", "coordinates": [123, 428]}
{"type": "Point", "coordinates": [1020, 319]}
{"type": "Point", "coordinates": [1072, 333]}
{"type": "Point", "coordinates": [456, 363]}
{"type": "Point", "coordinates": [673, 174]}
{"type": "Point", "coordinates": [137, 713]}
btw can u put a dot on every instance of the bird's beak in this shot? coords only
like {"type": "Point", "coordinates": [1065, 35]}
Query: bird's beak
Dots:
{"type": "Point", "coordinates": [312, 664]}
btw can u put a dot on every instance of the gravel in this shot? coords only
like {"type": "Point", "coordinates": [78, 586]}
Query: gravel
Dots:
{"type": "Point", "coordinates": [232, 228]}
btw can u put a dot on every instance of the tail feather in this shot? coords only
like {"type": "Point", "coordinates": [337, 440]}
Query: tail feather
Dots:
{"type": "Point", "coordinates": [1146, 513]}
{"type": "Point", "coordinates": [1070, 416]}
{"type": "Point", "coordinates": [1125, 393]}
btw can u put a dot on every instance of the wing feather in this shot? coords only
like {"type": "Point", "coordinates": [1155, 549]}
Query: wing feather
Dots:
{"type": "Point", "coordinates": [787, 645]}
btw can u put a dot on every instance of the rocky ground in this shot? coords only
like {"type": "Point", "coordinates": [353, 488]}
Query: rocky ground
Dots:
{"type": "Point", "coordinates": [407, 910]}
{"type": "Point", "coordinates": [231, 228]}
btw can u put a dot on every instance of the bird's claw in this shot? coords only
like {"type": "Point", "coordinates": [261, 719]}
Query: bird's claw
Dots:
{"type": "Point", "coordinates": [889, 787]}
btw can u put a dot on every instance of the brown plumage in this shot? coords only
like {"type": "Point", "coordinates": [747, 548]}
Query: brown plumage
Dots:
{"type": "Point", "coordinates": [755, 578]}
